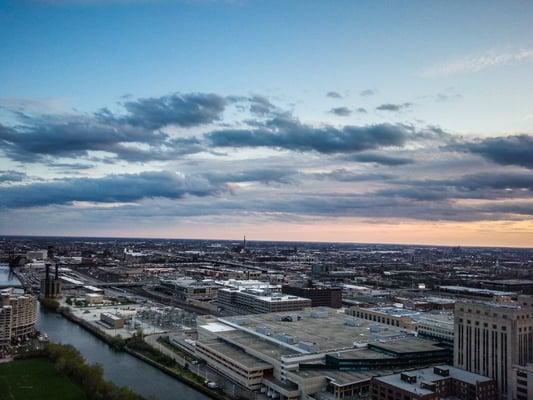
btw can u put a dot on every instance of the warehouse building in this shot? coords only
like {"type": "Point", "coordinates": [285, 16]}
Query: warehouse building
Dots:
{"type": "Point", "coordinates": [290, 355]}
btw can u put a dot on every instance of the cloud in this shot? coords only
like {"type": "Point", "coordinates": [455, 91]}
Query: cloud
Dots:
{"type": "Point", "coordinates": [334, 95]}
{"type": "Point", "coordinates": [345, 175]}
{"type": "Point", "coordinates": [394, 107]}
{"type": "Point", "coordinates": [260, 105]}
{"type": "Point", "coordinates": [133, 136]}
{"type": "Point", "coordinates": [185, 110]}
{"type": "Point", "coordinates": [286, 132]}
{"type": "Point", "coordinates": [108, 189]}
{"type": "Point", "coordinates": [377, 158]}
{"type": "Point", "coordinates": [263, 175]}
{"type": "Point", "coordinates": [487, 186]}
{"type": "Point", "coordinates": [341, 111]}
{"type": "Point", "coordinates": [70, 166]}
{"type": "Point", "coordinates": [39, 106]}
{"type": "Point", "coordinates": [479, 62]}
{"type": "Point", "coordinates": [66, 136]}
{"type": "Point", "coordinates": [367, 92]}
{"type": "Point", "coordinates": [9, 176]}
{"type": "Point", "coordinates": [509, 150]}
{"type": "Point", "coordinates": [361, 110]}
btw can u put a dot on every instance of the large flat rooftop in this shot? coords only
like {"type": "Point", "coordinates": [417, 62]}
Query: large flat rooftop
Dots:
{"type": "Point", "coordinates": [323, 330]}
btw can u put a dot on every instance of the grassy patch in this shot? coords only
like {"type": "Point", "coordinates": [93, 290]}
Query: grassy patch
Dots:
{"type": "Point", "coordinates": [36, 379]}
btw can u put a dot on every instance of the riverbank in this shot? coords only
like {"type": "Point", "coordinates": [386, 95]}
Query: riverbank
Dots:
{"type": "Point", "coordinates": [182, 374]}
{"type": "Point", "coordinates": [36, 379]}
{"type": "Point", "coordinates": [68, 362]}
{"type": "Point", "coordinates": [120, 367]}
{"type": "Point", "coordinates": [177, 372]}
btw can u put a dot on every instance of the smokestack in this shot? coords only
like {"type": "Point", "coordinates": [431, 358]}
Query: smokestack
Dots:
{"type": "Point", "coordinates": [47, 272]}
{"type": "Point", "coordinates": [244, 243]}
{"type": "Point", "coordinates": [57, 272]}
{"type": "Point", "coordinates": [50, 253]}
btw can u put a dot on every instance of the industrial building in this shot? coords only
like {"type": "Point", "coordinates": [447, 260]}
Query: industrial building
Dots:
{"type": "Point", "coordinates": [436, 383]}
{"type": "Point", "coordinates": [492, 337]}
{"type": "Point", "coordinates": [290, 355]}
{"type": "Point", "coordinates": [51, 286]}
{"type": "Point", "coordinates": [114, 321]}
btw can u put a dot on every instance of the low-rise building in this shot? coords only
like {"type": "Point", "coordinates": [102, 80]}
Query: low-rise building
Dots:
{"type": "Point", "coordinates": [239, 301]}
{"type": "Point", "coordinates": [522, 382]}
{"type": "Point", "coordinates": [393, 316]}
{"type": "Point", "coordinates": [320, 295]}
{"type": "Point", "coordinates": [114, 321]}
{"type": "Point", "coordinates": [185, 289]}
{"type": "Point", "coordinates": [436, 325]}
{"type": "Point", "coordinates": [94, 298]}
{"type": "Point", "coordinates": [436, 383]}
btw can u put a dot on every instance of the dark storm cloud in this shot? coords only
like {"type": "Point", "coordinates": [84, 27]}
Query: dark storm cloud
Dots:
{"type": "Point", "coordinates": [367, 92]}
{"type": "Point", "coordinates": [334, 95]}
{"type": "Point", "coordinates": [393, 107]}
{"type": "Point", "coordinates": [341, 111]}
{"type": "Point", "coordinates": [263, 175]}
{"type": "Point", "coordinates": [378, 158]}
{"type": "Point", "coordinates": [286, 132]}
{"type": "Point", "coordinates": [108, 189]}
{"type": "Point", "coordinates": [509, 150]}
{"type": "Point", "coordinates": [12, 176]}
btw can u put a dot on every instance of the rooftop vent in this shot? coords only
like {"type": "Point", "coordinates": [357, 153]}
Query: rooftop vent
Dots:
{"type": "Point", "coordinates": [441, 371]}
{"type": "Point", "coordinates": [352, 322]}
{"type": "Point", "coordinates": [407, 377]}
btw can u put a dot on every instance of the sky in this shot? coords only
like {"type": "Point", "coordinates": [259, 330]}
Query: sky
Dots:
{"type": "Point", "coordinates": [354, 121]}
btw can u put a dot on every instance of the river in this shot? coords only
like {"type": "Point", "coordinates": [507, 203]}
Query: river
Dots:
{"type": "Point", "coordinates": [120, 368]}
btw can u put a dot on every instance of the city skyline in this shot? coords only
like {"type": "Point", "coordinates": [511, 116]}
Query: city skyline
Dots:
{"type": "Point", "coordinates": [355, 122]}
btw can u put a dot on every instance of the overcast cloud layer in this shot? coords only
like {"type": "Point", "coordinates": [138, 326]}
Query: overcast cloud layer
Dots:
{"type": "Point", "coordinates": [192, 155]}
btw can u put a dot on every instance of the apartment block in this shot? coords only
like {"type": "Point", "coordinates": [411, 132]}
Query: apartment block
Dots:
{"type": "Point", "coordinates": [18, 314]}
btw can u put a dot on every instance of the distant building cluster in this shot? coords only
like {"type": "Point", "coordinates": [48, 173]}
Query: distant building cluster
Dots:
{"type": "Point", "coordinates": [300, 321]}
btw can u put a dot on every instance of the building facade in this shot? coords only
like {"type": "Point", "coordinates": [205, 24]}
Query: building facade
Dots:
{"type": "Point", "coordinates": [320, 296]}
{"type": "Point", "coordinates": [523, 382]}
{"type": "Point", "coordinates": [18, 314]}
{"type": "Point", "coordinates": [492, 337]}
{"type": "Point", "coordinates": [241, 301]}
